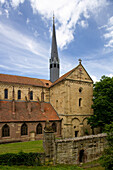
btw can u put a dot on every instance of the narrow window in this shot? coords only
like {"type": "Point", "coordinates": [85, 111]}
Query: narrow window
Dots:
{"type": "Point", "coordinates": [54, 127]}
{"type": "Point", "coordinates": [24, 129]}
{"type": "Point", "coordinates": [5, 131]}
{"type": "Point", "coordinates": [54, 65]}
{"type": "Point", "coordinates": [39, 129]}
{"type": "Point", "coordinates": [50, 65]}
{"type": "Point", "coordinates": [31, 95]}
{"type": "Point", "coordinates": [80, 101]}
{"type": "Point", "coordinates": [80, 89]}
{"type": "Point", "coordinates": [57, 65]}
{"type": "Point", "coordinates": [76, 133]}
{"type": "Point", "coordinates": [6, 93]}
{"type": "Point", "coordinates": [19, 94]}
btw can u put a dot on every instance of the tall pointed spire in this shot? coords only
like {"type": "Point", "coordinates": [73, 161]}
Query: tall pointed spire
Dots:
{"type": "Point", "coordinates": [54, 61]}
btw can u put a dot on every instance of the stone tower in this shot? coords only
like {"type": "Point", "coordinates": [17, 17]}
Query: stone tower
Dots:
{"type": "Point", "coordinates": [54, 61]}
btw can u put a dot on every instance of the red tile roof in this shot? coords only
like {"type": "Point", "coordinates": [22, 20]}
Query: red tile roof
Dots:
{"type": "Point", "coordinates": [39, 111]}
{"type": "Point", "coordinates": [24, 80]}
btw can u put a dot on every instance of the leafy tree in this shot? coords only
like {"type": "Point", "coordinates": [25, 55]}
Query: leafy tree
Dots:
{"type": "Point", "coordinates": [107, 159]}
{"type": "Point", "coordinates": [102, 103]}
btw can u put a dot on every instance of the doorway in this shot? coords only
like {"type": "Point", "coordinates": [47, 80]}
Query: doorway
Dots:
{"type": "Point", "coordinates": [81, 156]}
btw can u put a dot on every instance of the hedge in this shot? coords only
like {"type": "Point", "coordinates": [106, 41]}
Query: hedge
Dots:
{"type": "Point", "coordinates": [21, 158]}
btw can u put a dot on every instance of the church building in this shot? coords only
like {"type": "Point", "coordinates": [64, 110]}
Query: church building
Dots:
{"type": "Point", "coordinates": [27, 103]}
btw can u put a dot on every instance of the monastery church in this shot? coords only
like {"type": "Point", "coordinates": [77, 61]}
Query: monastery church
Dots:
{"type": "Point", "coordinates": [27, 103]}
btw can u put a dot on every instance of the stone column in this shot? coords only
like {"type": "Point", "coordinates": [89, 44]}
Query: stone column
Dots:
{"type": "Point", "coordinates": [49, 143]}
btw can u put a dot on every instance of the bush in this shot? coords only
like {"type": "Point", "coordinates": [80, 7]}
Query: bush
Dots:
{"type": "Point", "coordinates": [107, 158]}
{"type": "Point", "coordinates": [28, 159]}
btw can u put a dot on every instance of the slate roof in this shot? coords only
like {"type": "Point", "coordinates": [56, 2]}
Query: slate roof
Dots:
{"type": "Point", "coordinates": [39, 111]}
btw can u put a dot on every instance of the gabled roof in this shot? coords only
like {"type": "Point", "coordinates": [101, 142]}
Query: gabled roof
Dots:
{"type": "Point", "coordinates": [24, 80]}
{"type": "Point", "coordinates": [67, 74]}
{"type": "Point", "coordinates": [39, 111]}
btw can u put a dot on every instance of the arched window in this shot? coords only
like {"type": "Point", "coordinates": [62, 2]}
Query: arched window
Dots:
{"type": "Point", "coordinates": [24, 129]}
{"type": "Point", "coordinates": [39, 129]}
{"type": "Point", "coordinates": [5, 131]}
{"type": "Point", "coordinates": [54, 127]}
{"type": "Point", "coordinates": [6, 94]}
{"type": "Point", "coordinates": [31, 95]}
{"type": "Point", "coordinates": [80, 89]}
{"type": "Point", "coordinates": [19, 94]}
{"type": "Point", "coordinates": [80, 102]}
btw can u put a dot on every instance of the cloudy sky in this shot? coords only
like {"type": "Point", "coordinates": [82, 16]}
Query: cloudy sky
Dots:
{"type": "Point", "coordinates": [84, 29]}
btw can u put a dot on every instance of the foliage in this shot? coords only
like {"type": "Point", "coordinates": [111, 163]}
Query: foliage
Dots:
{"type": "Point", "coordinates": [102, 103]}
{"type": "Point", "coordinates": [107, 158]}
{"type": "Point", "coordinates": [30, 146]}
{"type": "Point", "coordinates": [21, 158]}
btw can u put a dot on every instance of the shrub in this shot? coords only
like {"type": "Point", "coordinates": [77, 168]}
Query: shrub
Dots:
{"type": "Point", "coordinates": [28, 159]}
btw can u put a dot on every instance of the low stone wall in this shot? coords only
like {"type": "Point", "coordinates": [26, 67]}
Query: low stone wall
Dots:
{"type": "Point", "coordinates": [74, 150]}
{"type": "Point", "coordinates": [79, 150]}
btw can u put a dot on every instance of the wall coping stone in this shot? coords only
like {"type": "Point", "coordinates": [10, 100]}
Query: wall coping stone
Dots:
{"type": "Point", "coordinates": [81, 138]}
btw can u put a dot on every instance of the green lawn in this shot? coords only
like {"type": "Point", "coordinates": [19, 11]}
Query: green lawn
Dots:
{"type": "Point", "coordinates": [58, 167]}
{"type": "Point", "coordinates": [31, 146]}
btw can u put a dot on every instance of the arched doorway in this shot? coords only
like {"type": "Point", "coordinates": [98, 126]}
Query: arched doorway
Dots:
{"type": "Point", "coordinates": [81, 156]}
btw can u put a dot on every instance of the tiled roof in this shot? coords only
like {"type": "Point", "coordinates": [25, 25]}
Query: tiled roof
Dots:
{"type": "Point", "coordinates": [39, 111]}
{"type": "Point", "coordinates": [24, 80]}
{"type": "Point", "coordinates": [67, 74]}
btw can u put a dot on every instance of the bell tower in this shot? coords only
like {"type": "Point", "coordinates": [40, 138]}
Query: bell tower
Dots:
{"type": "Point", "coordinates": [54, 61]}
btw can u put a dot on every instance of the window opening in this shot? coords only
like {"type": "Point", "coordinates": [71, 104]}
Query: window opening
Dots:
{"type": "Point", "coordinates": [80, 101]}
{"type": "Point", "coordinates": [76, 133]}
{"type": "Point", "coordinates": [31, 95]}
{"type": "Point", "coordinates": [24, 129]}
{"type": "Point", "coordinates": [39, 129]}
{"type": "Point", "coordinates": [19, 94]}
{"type": "Point", "coordinates": [6, 93]}
{"type": "Point", "coordinates": [5, 131]}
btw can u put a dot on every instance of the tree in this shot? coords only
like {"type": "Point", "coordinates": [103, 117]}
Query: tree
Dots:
{"type": "Point", "coordinates": [107, 158]}
{"type": "Point", "coordinates": [102, 103]}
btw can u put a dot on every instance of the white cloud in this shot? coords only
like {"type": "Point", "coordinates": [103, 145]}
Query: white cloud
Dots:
{"type": "Point", "coordinates": [67, 14]}
{"type": "Point", "coordinates": [83, 24]}
{"type": "Point", "coordinates": [15, 3]}
{"type": "Point", "coordinates": [0, 12]}
{"type": "Point", "coordinates": [110, 75]}
{"type": "Point", "coordinates": [27, 21]}
{"type": "Point", "coordinates": [109, 33]}
{"type": "Point", "coordinates": [19, 40]}
{"type": "Point", "coordinates": [94, 78]}
{"type": "Point", "coordinates": [36, 34]}
{"type": "Point", "coordinates": [7, 13]}
{"type": "Point", "coordinates": [2, 1]}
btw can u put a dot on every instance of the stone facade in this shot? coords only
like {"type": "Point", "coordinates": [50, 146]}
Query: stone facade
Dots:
{"type": "Point", "coordinates": [74, 150]}
{"type": "Point", "coordinates": [37, 91]}
{"type": "Point", "coordinates": [72, 99]}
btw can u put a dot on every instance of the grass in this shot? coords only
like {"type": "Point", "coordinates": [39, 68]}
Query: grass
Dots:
{"type": "Point", "coordinates": [31, 146]}
{"type": "Point", "coordinates": [37, 146]}
{"type": "Point", "coordinates": [58, 167]}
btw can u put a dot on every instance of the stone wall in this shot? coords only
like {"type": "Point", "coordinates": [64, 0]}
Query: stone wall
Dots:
{"type": "Point", "coordinates": [75, 150]}
{"type": "Point", "coordinates": [24, 91]}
